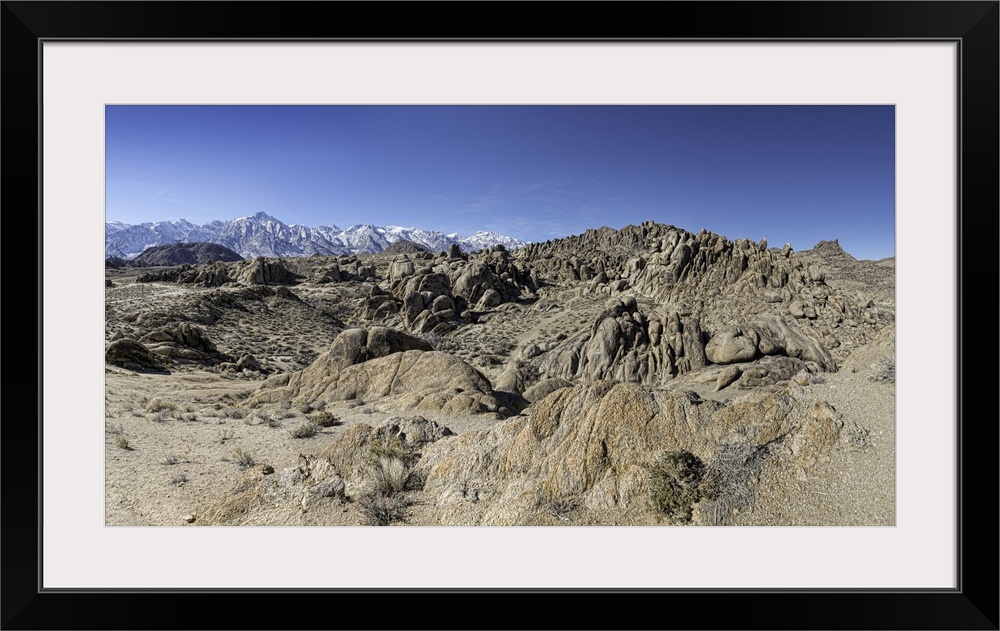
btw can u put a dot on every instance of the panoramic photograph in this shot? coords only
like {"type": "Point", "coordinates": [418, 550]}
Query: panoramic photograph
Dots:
{"type": "Point", "coordinates": [510, 315]}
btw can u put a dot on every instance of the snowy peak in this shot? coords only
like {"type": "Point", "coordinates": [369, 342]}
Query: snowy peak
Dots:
{"type": "Point", "coordinates": [261, 234]}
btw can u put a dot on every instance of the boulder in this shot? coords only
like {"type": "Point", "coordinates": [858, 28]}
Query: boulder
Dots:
{"type": "Point", "coordinates": [544, 388]}
{"type": "Point", "coordinates": [782, 338]}
{"type": "Point", "coordinates": [131, 354]}
{"type": "Point", "coordinates": [732, 344]}
{"type": "Point", "coordinates": [261, 271]}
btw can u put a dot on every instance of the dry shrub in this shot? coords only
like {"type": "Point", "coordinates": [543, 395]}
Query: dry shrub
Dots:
{"type": "Point", "coordinates": [305, 430]}
{"type": "Point", "coordinates": [382, 510]}
{"type": "Point", "coordinates": [324, 419]}
{"type": "Point", "coordinates": [727, 487]}
{"type": "Point", "coordinates": [243, 458]}
{"type": "Point", "coordinates": [884, 370]}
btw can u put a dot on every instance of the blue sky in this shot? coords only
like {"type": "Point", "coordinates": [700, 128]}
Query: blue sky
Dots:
{"type": "Point", "coordinates": [796, 174]}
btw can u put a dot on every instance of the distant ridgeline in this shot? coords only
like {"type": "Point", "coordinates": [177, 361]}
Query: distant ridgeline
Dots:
{"type": "Point", "coordinates": [263, 235]}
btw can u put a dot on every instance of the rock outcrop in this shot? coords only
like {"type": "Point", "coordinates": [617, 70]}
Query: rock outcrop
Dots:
{"type": "Point", "coordinates": [261, 271]}
{"type": "Point", "coordinates": [131, 354]}
{"type": "Point", "coordinates": [184, 342]}
{"type": "Point", "coordinates": [766, 335]}
{"type": "Point", "coordinates": [627, 345]}
{"type": "Point", "coordinates": [432, 381]}
{"type": "Point", "coordinates": [404, 246]}
{"type": "Point", "coordinates": [593, 446]}
{"type": "Point", "coordinates": [717, 280]}
{"type": "Point", "coordinates": [434, 297]}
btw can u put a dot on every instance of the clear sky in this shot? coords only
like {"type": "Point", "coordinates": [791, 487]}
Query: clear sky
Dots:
{"type": "Point", "coordinates": [796, 174]}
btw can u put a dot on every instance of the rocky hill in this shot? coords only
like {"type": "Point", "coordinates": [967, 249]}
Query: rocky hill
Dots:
{"type": "Point", "coordinates": [184, 253]}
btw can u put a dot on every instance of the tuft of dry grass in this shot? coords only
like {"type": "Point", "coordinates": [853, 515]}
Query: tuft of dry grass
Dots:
{"type": "Point", "coordinates": [387, 476]}
{"type": "Point", "coordinates": [559, 507]}
{"type": "Point", "coordinates": [384, 500]}
{"type": "Point", "coordinates": [156, 404]}
{"type": "Point", "coordinates": [243, 458]}
{"type": "Point", "coordinates": [857, 437]}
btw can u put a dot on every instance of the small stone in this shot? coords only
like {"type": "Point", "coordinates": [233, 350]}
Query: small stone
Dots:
{"type": "Point", "coordinates": [189, 518]}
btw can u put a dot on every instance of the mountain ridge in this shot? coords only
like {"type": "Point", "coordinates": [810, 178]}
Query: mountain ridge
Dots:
{"type": "Point", "coordinates": [261, 234]}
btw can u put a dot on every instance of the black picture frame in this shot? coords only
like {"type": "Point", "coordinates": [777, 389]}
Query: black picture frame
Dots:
{"type": "Point", "coordinates": [973, 605]}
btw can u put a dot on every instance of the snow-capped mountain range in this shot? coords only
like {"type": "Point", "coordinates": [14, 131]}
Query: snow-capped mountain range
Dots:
{"type": "Point", "coordinates": [263, 235]}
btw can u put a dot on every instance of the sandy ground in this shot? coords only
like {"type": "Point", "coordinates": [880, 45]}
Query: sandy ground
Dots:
{"type": "Point", "coordinates": [181, 455]}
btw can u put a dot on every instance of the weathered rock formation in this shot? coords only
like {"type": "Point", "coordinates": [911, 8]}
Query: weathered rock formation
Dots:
{"type": "Point", "coordinates": [434, 297]}
{"type": "Point", "coordinates": [130, 354]}
{"type": "Point", "coordinates": [766, 335]}
{"type": "Point", "coordinates": [714, 279]}
{"type": "Point", "coordinates": [261, 271]}
{"type": "Point", "coordinates": [593, 446]}
{"type": "Point", "coordinates": [626, 345]}
{"type": "Point", "coordinates": [416, 379]}
{"type": "Point", "coordinates": [183, 342]}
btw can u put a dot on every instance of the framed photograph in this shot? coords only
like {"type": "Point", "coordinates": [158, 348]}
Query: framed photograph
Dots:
{"type": "Point", "coordinates": [77, 77]}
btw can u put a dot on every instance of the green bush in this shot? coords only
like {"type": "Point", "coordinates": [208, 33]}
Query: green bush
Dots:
{"type": "Point", "coordinates": [674, 484]}
{"type": "Point", "coordinates": [304, 408]}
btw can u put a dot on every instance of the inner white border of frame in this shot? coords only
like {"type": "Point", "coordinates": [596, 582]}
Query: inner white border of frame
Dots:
{"type": "Point", "coordinates": [80, 78]}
